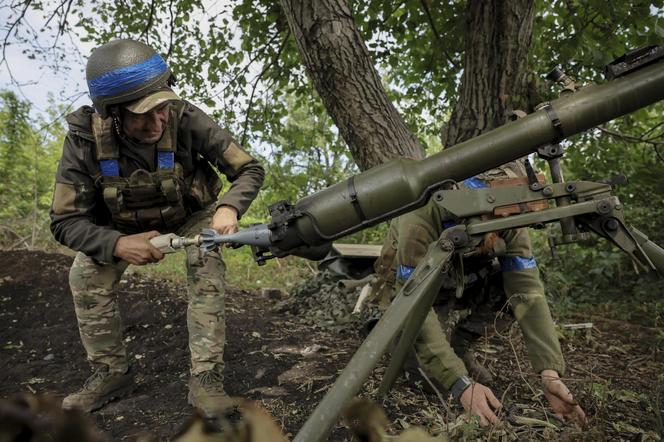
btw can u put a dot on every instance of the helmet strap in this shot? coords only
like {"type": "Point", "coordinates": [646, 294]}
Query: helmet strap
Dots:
{"type": "Point", "coordinates": [116, 124]}
{"type": "Point", "coordinates": [115, 115]}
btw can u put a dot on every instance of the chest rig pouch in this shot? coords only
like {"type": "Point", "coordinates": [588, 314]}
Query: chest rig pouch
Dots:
{"type": "Point", "coordinates": [145, 200]}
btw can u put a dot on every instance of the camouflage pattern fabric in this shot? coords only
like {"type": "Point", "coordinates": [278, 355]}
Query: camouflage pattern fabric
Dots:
{"type": "Point", "coordinates": [99, 320]}
{"type": "Point", "coordinates": [97, 312]}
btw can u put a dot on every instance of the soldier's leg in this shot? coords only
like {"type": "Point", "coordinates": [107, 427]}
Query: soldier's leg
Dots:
{"type": "Point", "coordinates": [100, 327]}
{"type": "Point", "coordinates": [99, 322]}
{"type": "Point", "coordinates": [206, 322]}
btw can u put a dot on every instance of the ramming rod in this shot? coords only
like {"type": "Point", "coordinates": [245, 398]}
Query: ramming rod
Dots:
{"type": "Point", "coordinates": [403, 185]}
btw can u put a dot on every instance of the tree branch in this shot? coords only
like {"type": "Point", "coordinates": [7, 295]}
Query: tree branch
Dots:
{"type": "Point", "coordinates": [11, 28]}
{"type": "Point", "coordinates": [652, 129]}
{"type": "Point", "coordinates": [250, 62]}
{"type": "Point", "coordinates": [631, 138]}
{"type": "Point", "coordinates": [636, 139]}
{"type": "Point", "coordinates": [172, 30]}
{"type": "Point", "coordinates": [256, 80]}
{"type": "Point", "coordinates": [55, 12]}
{"type": "Point", "coordinates": [395, 9]}
{"type": "Point", "coordinates": [62, 24]}
{"type": "Point", "coordinates": [425, 6]}
{"type": "Point", "coordinates": [148, 25]}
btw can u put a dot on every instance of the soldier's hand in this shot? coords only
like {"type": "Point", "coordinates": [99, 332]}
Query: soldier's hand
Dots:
{"type": "Point", "coordinates": [479, 400]}
{"type": "Point", "coordinates": [560, 399]}
{"type": "Point", "coordinates": [224, 220]}
{"type": "Point", "coordinates": [137, 249]}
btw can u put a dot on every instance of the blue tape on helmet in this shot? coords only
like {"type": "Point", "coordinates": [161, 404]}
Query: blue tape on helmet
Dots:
{"type": "Point", "coordinates": [404, 272]}
{"type": "Point", "coordinates": [166, 160]}
{"type": "Point", "coordinates": [511, 263]}
{"type": "Point", "coordinates": [109, 168]}
{"type": "Point", "coordinates": [126, 78]}
{"type": "Point", "coordinates": [474, 183]}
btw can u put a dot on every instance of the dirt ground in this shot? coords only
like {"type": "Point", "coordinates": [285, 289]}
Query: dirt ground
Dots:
{"type": "Point", "coordinates": [615, 371]}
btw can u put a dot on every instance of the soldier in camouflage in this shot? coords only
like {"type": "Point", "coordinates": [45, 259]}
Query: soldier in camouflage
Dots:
{"type": "Point", "coordinates": [456, 319]}
{"type": "Point", "coordinates": [141, 163]}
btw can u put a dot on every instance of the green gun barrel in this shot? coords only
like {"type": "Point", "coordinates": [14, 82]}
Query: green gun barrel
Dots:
{"type": "Point", "coordinates": [402, 185]}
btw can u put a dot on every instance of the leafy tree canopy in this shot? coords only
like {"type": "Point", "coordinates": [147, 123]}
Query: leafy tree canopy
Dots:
{"type": "Point", "coordinates": [240, 60]}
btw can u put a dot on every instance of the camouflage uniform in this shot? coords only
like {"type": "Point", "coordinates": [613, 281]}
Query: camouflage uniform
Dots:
{"type": "Point", "coordinates": [466, 317]}
{"type": "Point", "coordinates": [82, 221]}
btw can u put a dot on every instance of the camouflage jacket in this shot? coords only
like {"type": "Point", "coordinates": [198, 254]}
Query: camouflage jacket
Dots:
{"type": "Point", "coordinates": [81, 220]}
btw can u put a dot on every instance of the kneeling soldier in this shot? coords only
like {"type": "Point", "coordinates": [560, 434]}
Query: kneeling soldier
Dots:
{"type": "Point", "coordinates": [450, 364]}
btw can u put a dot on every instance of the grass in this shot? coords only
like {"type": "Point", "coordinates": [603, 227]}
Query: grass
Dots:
{"type": "Point", "coordinates": [241, 270]}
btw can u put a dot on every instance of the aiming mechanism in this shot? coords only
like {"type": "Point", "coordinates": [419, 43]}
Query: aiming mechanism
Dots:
{"type": "Point", "coordinates": [308, 227]}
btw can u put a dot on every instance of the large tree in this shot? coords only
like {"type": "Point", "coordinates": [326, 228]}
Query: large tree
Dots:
{"type": "Point", "coordinates": [344, 75]}
{"type": "Point", "coordinates": [495, 79]}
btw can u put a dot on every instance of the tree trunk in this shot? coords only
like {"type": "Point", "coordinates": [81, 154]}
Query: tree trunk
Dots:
{"type": "Point", "coordinates": [495, 68]}
{"type": "Point", "coordinates": [339, 64]}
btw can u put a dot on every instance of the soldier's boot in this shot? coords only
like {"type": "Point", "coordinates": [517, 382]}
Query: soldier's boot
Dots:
{"type": "Point", "coordinates": [102, 387]}
{"type": "Point", "coordinates": [476, 370]}
{"type": "Point", "coordinates": [206, 392]}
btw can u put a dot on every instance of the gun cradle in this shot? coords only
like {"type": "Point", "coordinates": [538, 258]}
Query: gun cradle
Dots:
{"type": "Point", "coordinates": [590, 205]}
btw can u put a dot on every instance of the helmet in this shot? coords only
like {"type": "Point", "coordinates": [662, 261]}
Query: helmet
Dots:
{"type": "Point", "coordinates": [122, 71]}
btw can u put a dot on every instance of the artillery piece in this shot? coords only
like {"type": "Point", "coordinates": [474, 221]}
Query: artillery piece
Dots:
{"type": "Point", "coordinates": [308, 227]}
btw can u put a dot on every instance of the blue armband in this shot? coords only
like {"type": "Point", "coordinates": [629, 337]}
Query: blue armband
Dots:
{"type": "Point", "coordinates": [511, 263]}
{"type": "Point", "coordinates": [474, 183]}
{"type": "Point", "coordinates": [404, 272]}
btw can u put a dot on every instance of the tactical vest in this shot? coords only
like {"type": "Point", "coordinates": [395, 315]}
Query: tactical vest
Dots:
{"type": "Point", "coordinates": [146, 200]}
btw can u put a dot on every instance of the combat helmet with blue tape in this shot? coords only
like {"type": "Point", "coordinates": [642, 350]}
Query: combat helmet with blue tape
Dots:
{"type": "Point", "coordinates": [122, 71]}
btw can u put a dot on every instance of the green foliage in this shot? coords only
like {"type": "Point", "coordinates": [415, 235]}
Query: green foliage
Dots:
{"type": "Point", "coordinates": [596, 276]}
{"type": "Point", "coordinates": [583, 36]}
{"type": "Point", "coordinates": [596, 280]}
{"type": "Point", "coordinates": [29, 150]}
{"type": "Point", "coordinates": [424, 77]}
{"type": "Point", "coordinates": [16, 141]}
{"type": "Point", "coordinates": [240, 60]}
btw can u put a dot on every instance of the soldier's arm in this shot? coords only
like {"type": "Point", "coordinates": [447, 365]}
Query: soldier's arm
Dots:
{"type": "Point", "coordinates": [525, 292]}
{"type": "Point", "coordinates": [415, 231]}
{"type": "Point", "coordinates": [217, 146]}
{"type": "Point", "coordinates": [72, 211]}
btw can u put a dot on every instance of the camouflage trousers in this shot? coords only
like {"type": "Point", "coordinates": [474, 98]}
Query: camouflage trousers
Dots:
{"type": "Point", "coordinates": [99, 320]}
